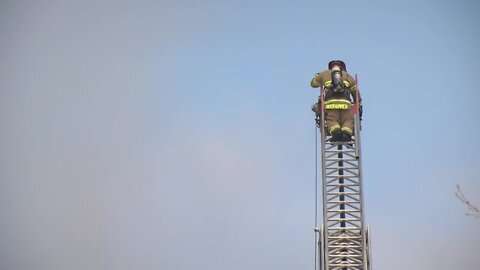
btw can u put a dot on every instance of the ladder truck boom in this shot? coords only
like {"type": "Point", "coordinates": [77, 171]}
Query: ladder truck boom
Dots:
{"type": "Point", "coordinates": [343, 238]}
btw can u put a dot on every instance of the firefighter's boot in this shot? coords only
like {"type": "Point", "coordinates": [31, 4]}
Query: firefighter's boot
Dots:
{"type": "Point", "coordinates": [346, 134]}
{"type": "Point", "coordinates": [336, 135]}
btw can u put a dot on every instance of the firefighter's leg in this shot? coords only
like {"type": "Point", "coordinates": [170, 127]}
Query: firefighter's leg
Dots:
{"type": "Point", "coordinates": [346, 121]}
{"type": "Point", "coordinates": [332, 117]}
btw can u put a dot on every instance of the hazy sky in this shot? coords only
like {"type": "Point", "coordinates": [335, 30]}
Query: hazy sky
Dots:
{"type": "Point", "coordinates": [178, 134]}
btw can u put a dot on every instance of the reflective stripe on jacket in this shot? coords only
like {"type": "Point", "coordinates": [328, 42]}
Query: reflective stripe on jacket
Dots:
{"type": "Point", "coordinates": [338, 104]}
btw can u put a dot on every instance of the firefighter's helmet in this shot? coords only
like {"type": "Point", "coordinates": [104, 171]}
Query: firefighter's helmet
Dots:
{"type": "Point", "coordinates": [339, 63]}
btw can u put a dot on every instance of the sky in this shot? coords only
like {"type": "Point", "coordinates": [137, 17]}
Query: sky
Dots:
{"type": "Point", "coordinates": [178, 134]}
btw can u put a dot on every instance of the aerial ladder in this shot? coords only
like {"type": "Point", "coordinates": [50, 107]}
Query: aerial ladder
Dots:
{"type": "Point", "coordinates": [342, 241]}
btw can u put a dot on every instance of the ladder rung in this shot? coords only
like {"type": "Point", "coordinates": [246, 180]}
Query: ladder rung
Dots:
{"type": "Point", "coordinates": [356, 204]}
{"type": "Point", "coordinates": [343, 202]}
{"type": "Point", "coordinates": [348, 151]}
{"type": "Point", "coordinates": [346, 255]}
{"type": "Point", "coordinates": [346, 237]}
{"type": "Point", "coordinates": [344, 219]}
{"type": "Point", "coordinates": [333, 217]}
{"type": "Point", "coordinates": [343, 168]}
{"type": "Point", "coordinates": [338, 143]}
{"type": "Point", "coordinates": [344, 211]}
{"type": "Point", "coordinates": [344, 265]}
{"type": "Point", "coordinates": [344, 172]}
{"type": "Point", "coordinates": [348, 247]}
{"type": "Point", "coordinates": [341, 159]}
{"type": "Point", "coordinates": [346, 188]}
{"type": "Point", "coordinates": [347, 210]}
{"type": "Point", "coordinates": [349, 229]}
{"type": "Point", "coordinates": [343, 193]}
{"type": "Point", "coordinates": [351, 247]}
{"type": "Point", "coordinates": [342, 185]}
{"type": "Point", "coordinates": [342, 176]}
{"type": "Point", "coordinates": [353, 252]}
{"type": "Point", "coordinates": [357, 241]}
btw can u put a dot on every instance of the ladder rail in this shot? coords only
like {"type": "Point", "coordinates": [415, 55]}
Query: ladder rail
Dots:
{"type": "Point", "coordinates": [325, 264]}
{"type": "Point", "coordinates": [358, 127]}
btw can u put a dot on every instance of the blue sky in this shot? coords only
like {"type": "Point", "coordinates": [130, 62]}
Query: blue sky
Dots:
{"type": "Point", "coordinates": [178, 134]}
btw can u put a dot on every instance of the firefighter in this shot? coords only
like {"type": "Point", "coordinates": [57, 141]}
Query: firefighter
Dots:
{"type": "Point", "coordinates": [340, 90]}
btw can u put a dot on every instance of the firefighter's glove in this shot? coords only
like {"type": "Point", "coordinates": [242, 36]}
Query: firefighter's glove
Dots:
{"type": "Point", "coordinates": [317, 120]}
{"type": "Point", "coordinates": [315, 108]}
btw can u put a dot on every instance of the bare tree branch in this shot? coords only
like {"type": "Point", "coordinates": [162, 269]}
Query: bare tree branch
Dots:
{"type": "Point", "coordinates": [473, 210]}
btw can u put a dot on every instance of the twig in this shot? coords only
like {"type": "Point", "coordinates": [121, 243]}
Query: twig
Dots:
{"type": "Point", "coordinates": [474, 210]}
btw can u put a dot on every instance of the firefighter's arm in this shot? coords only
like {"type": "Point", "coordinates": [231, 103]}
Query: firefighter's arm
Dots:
{"type": "Point", "coordinates": [315, 83]}
{"type": "Point", "coordinates": [352, 88]}
{"type": "Point", "coordinates": [354, 92]}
